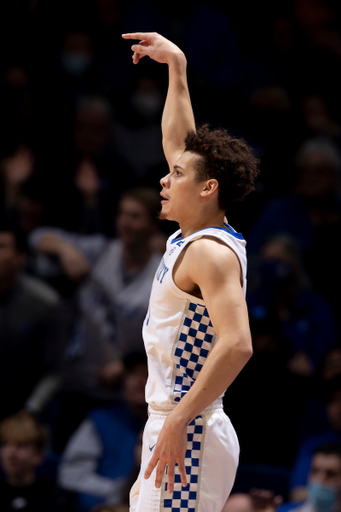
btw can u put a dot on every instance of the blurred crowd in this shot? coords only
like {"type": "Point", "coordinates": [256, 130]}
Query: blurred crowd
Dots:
{"type": "Point", "coordinates": [80, 163]}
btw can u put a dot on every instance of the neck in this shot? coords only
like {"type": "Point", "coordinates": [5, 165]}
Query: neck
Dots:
{"type": "Point", "coordinates": [22, 480]}
{"type": "Point", "coordinates": [193, 224]}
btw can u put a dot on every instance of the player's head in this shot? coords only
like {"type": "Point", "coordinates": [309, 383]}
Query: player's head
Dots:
{"type": "Point", "coordinates": [226, 159]}
{"type": "Point", "coordinates": [22, 443]}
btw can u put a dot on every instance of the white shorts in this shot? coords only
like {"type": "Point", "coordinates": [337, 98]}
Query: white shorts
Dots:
{"type": "Point", "coordinates": [211, 464]}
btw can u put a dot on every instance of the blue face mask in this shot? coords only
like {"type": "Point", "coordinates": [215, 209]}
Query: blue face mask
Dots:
{"type": "Point", "coordinates": [324, 497]}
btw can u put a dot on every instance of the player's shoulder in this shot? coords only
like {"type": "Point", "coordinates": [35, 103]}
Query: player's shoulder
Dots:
{"type": "Point", "coordinates": [210, 252]}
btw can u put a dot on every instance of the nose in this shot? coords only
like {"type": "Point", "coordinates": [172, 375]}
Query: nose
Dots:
{"type": "Point", "coordinates": [164, 182]}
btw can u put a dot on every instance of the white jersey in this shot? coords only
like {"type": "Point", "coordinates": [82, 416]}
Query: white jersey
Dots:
{"type": "Point", "coordinates": [177, 330]}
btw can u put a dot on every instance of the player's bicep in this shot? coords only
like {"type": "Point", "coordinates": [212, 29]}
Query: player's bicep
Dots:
{"type": "Point", "coordinates": [227, 308]}
{"type": "Point", "coordinates": [220, 285]}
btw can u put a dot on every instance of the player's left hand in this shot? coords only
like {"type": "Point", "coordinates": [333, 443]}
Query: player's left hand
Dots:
{"type": "Point", "coordinates": [170, 450]}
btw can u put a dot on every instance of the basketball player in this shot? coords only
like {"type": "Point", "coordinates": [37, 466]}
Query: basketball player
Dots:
{"type": "Point", "coordinates": [196, 331]}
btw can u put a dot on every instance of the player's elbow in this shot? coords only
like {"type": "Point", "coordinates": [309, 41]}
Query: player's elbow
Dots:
{"type": "Point", "coordinates": [244, 347]}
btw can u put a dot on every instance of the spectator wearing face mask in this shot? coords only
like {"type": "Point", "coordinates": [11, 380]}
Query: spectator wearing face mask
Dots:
{"type": "Point", "coordinates": [311, 215]}
{"type": "Point", "coordinates": [283, 295]}
{"type": "Point", "coordinates": [137, 135]}
{"type": "Point", "coordinates": [324, 482]}
{"type": "Point", "coordinates": [331, 434]}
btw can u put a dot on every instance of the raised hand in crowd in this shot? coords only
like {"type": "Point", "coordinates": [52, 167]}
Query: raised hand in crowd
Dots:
{"type": "Point", "coordinates": [17, 168]}
{"type": "Point", "coordinates": [87, 181]}
{"type": "Point", "coordinates": [74, 263]}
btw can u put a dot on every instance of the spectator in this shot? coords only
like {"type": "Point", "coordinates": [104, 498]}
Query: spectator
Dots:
{"type": "Point", "coordinates": [88, 174]}
{"type": "Point", "coordinates": [332, 434]}
{"type": "Point", "coordinates": [324, 482]}
{"type": "Point", "coordinates": [68, 75]}
{"type": "Point", "coordinates": [317, 118]}
{"type": "Point", "coordinates": [15, 171]}
{"type": "Point", "coordinates": [332, 365]}
{"type": "Point", "coordinates": [99, 460]}
{"type": "Point", "coordinates": [112, 302]}
{"type": "Point", "coordinates": [272, 404]}
{"type": "Point", "coordinates": [77, 53]}
{"type": "Point", "coordinates": [314, 202]}
{"type": "Point", "coordinates": [30, 330]}
{"type": "Point", "coordinates": [16, 102]}
{"type": "Point", "coordinates": [284, 296]}
{"type": "Point", "coordinates": [22, 443]}
{"type": "Point", "coordinates": [257, 500]}
{"type": "Point", "coordinates": [137, 136]}
{"type": "Point", "coordinates": [311, 215]}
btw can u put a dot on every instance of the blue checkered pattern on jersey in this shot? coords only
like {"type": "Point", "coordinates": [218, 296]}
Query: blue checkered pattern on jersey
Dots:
{"type": "Point", "coordinates": [184, 499]}
{"type": "Point", "coordinates": [194, 344]}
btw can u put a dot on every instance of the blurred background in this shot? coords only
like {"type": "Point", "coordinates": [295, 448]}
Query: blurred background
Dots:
{"type": "Point", "coordinates": [80, 164]}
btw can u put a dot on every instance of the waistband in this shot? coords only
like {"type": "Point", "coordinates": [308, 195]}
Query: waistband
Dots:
{"type": "Point", "coordinates": [165, 409]}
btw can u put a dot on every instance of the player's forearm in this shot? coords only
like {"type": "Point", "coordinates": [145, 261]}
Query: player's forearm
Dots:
{"type": "Point", "coordinates": [222, 366]}
{"type": "Point", "coordinates": [178, 115]}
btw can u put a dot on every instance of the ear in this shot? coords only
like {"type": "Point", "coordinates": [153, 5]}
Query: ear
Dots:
{"type": "Point", "coordinates": [210, 187]}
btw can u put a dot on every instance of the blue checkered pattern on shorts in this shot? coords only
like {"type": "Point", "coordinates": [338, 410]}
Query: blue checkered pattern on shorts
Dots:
{"type": "Point", "coordinates": [184, 499]}
{"type": "Point", "coordinates": [193, 347]}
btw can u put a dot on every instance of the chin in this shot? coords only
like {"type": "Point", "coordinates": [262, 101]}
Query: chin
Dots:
{"type": "Point", "coordinates": [163, 215]}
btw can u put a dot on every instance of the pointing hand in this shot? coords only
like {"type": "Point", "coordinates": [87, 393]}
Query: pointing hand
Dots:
{"type": "Point", "coordinates": [154, 45]}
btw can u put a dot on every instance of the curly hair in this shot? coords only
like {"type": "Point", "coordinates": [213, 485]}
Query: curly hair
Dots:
{"type": "Point", "coordinates": [225, 158]}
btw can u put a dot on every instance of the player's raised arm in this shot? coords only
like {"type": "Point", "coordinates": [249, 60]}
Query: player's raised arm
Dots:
{"type": "Point", "coordinates": [178, 116]}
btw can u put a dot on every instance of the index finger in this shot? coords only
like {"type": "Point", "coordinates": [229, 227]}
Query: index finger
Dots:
{"type": "Point", "coordinates": [137, 35]}
{"type": "Point", "coordinates": [152, 464]}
